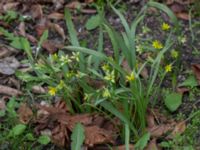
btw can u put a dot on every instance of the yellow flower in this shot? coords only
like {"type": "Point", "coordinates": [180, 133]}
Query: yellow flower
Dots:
{"type": "Point", "coordinates": [65, 59]}
{"type": "Point", "coordinates": [52, 91]}
{"type": "Point", "coordinates": [157, 44]}
{"type": "Point", "coordinates": [75, 56]}
{"type": "Point", "coordinates": [106, 93]}
{"type": "Point", "coordinates": [110, 76]}
{"type": "Point", "coordinates": [165, 26]}
{"type": "Point", "coordinates": [168, 68]}
{"type": "Point", "coordinates": [60, 85]}
{"type": "Point", "coordinates": [130, 77]}
{"type": "Point", "coordinates": [105, 67]}
{"type": "Point", "coordinates": [174, 53]}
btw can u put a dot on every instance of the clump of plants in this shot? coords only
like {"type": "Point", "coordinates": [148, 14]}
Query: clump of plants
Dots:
{"type": "Point", "coordinates": [117, 86]}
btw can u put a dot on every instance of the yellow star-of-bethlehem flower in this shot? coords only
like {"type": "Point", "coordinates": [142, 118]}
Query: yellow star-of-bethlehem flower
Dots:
{"type": "Point", "coordinates": [106, 93]}
{"type": "Point", "coordinates": [174, 54]}
{"type": "Point", "coordinates": [165, 26]}
{"type": "Point", "coordinates": [130, 77]}
{"type": "Point", "coordinates": [168, 68]}
{"type": "Point", "coordinates": [157, 44]}
{"type": "Point", "coordinates": [52, 91]}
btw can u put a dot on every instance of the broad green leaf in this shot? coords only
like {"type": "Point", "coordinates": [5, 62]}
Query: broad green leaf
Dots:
{"type": "Point", "coordinates": [17, 130]}
{"type": "Point", "coordinates": [93, 22]}
{"type": "Point", "coordinates": [77, 137]}
{"type": "Point", "coordinates": [142, 142]}
{"type": "Point", "coordinates": [173, 101]}
{"type": "Point", "coordinates": [30, 137]}
{"type": "Point", "coordinates": [44, 139]}
{"type": "Point", "coordinates": [26, 47]}
{"type": "Point", "coordinates": [190, 82]}
{"type": "Point", "coordinates": [16, 43]}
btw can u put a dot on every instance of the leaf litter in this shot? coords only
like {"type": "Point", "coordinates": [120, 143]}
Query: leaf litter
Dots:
{"type": "Point", "coordinates": [60, 122]}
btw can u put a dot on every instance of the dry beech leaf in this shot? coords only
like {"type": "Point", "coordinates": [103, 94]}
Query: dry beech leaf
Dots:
{"type": "Point", "coordinates": [160, 130]}
{"type": "Point", "coordinates": [179, 128]}
{"type": "Point", "coordinates": [182, 90]}
{"type": "Point", "coordinates": [25, 113]}
{"type": "Point", "coordinates": [123, 147]}
{"type": "Point", "coordinates": [73, 5]}
{"type": "Point", "coordinates": [10, 6]}
{"type": "Point", "coordinates": [152, 145]}
{"type": "Point", "coordinates": [177, 8]}
{"type": "Point", "coordinates": [6, 51]}
{"type": "Point", "coordinates": [8, 65]}
{"type": "Point", "coordinates": [51, 46]}
{"type": "Point", "coordinates": [196, 71]}
{"type": "Point", "coordinates": [36, 11]}
{"type": "Point", "coordinates": [59, 30]}
{"type": "Point", "coordinates": [56, 16]}
{"type": "Point", "coordinates": [9, 91]}
{"type": "Point", "coordinates": [183, 15]}
{"type": "Point", "coordinates": [95, 135]}
{"type": "Point", "coordinates": [38, 89]}
{"type": "Point", "coordinates": [21, 28]}
{"type": "Point", "coordinates": [2, 104]}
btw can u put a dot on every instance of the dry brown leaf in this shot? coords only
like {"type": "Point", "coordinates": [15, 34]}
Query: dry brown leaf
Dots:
{"type": "Point", "coordinates": [160, 130]}
{"type": "Point", "coordinates": [2, 104]}
{"type": "Point", "coordinates": [10, 6]}
{"type": "Point", "coordinates": [56, 16]}
{"type": "Point", "coordinates": [179, 128]}
{"type": "Point", "coordinates": [25, 113]}
{"type": "Point", "coordinates": [9, 65]}
{"type": "Point", "coordinates": [182, 90]}
{"type": "Point", "coordinates": [38, 89]}
{"type": "Point", "coordinates": [196, 71]}
{"type": "Point", "coordinates": [51, 46]}
{"type": "Point", "coordinates": [73, 5]}
{"type": "Point", "coordinates": [152, 145]}
{"type": "Point", "coordinates": [21, 28]}
{"type": "Point", "coordinates": [36, 11]}
{"type": "Point", "coordinates": [59, 30]}
{"type": "Point", "coordinates": [95, 135]}
{"type": "Point", "coordinates": [42, 26]}
{"type": "Point", "coordinates": [123, 147]}
{"type": "Point", "coordinates": [183, 15]}
{"type": "Point", "coordinates": [177, 8]}
{"type": "Point", "coordinates": [9, 91]}
{"type": "Point", "coordinates": [6, 51]}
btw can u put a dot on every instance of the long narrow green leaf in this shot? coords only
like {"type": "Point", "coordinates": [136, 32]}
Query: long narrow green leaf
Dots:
{"type": "Point", "coordinates": [77, 137]}
{"type": "Point", "coordinates": [109, 107]}
{"type": "Point", "coordinates": [113, 41]}
{"type": "Point", "coordinates": [71, 29]}
{"type": "Point", "coordinates": [127, 136]}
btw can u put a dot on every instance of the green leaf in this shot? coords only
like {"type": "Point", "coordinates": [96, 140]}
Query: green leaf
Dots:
{"type": "Point", "coordinates": [26, 47]}
{"type": "Point", "coordinates": [142, 142]}
{"type": "Point", "coordinates": [190, 82]}
{"type": "Point", "coordinates": [16, 43]}
{"type": "Point", "coordinates": [17, 130]}
{"type": "Point", "coordinates": [77, 137]}
{"type": "Point", "coordinates": [93, 22]}
{"type": "Point", "coordinates": [173, 101]}
{"type": "Point", "coordinates": [44, 139]}
{"type": "Point", "coordinates": [30, 137]}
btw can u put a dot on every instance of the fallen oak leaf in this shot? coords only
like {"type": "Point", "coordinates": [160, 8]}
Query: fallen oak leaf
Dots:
{"type": "Point", "coordinates": [179, 128]}
{"type": "Point", "coordinates": [25, 113]}
{"type": "Point", "coordinates": [183, 15]}
{"type": "Point", "coordinates": [56, 16]}
{"type": "Point", "coordinates": [196, 71]}
{"type": "Point", "coordinates": [9, 91]}
{"type": "Point", "coordinates": [152, 145]}
{"type": "Point", "coordinates": [95, 135]}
